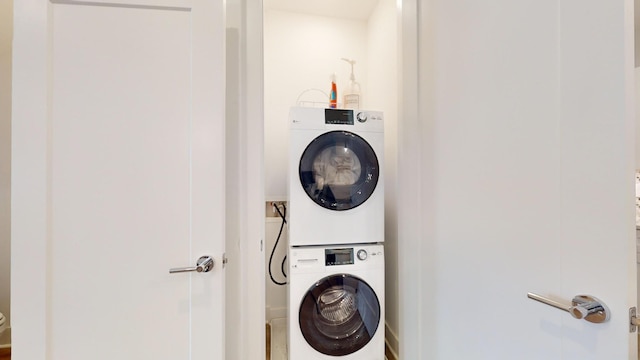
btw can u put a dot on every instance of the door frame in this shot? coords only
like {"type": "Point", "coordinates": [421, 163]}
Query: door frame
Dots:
{"type": "Point", "coordinates": [29, 218]}
{"type": "Point", "coordinates": [249, 336]}
{"type": "Point", "coordinates": [409, 140]}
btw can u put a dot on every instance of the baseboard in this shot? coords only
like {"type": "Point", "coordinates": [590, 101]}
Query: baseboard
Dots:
{"type": "Point", "coordinates": [276, 313]}
{"type": "Point", "coordinates": [392, 344]}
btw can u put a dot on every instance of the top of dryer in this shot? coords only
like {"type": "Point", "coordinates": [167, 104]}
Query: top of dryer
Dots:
{"type": "Point", "coordinates": [307, 118]}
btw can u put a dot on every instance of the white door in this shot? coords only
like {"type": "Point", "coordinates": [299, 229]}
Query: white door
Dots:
{"type": "Point", "coordinates": [118, 176]}
{"type": "Point", "coordinates": [523, 143]}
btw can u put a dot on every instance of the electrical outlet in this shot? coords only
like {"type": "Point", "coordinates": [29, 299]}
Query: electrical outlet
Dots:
{"type": "Point", "coordinates": [270, 208]}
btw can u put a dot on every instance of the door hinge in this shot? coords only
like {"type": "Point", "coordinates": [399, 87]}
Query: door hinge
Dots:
{"type": "Point", "coordinates": [225, 260]}
{"type": "Point", "coordinates": [634, 322]}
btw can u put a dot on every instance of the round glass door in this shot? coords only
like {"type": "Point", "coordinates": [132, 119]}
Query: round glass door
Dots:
{"type": "Point", "coordinates": [339, 170]}
{"type": "Point", "coordinates": [339, 315]}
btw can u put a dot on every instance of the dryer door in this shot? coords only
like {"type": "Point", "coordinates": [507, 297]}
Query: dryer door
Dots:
{"type": "Point", "coordinates": [339, 315]}
{"type": "Point", "coordinates": [339, 170]}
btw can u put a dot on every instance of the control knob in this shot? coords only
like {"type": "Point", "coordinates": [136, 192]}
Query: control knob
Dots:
{"type": "Point", "coordinates": [362, 254]}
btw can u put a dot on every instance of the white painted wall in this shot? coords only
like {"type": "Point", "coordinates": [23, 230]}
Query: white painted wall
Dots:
{"type": "Point", "coordinates": [382, 94]}
{"type": "Point", "coordinates": [637, 74]}
{"type": "Point", "coordinates": [637, 83]}
{"type": "Point", "coordinates": [276, 304]}
{"type": "Point", "coordinates": [301, 52]}
{"type": "Point", "coordinates": [6, 33]}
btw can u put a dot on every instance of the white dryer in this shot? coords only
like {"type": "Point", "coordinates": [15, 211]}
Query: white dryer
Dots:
{"type": "Point", "coordinates": [336, 187]}
{"type": "Point", "coordinates": [336, 302]}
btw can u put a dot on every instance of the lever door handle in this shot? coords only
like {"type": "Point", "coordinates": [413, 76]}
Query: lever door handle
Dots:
{"type": "Point", "coordinates": [204, 264]}
{"type": "Point", "coordinates": [582, 307]}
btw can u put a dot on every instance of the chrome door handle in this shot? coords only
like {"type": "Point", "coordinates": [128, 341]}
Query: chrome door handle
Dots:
{"type": "Point", "coordinates": [204, 264]}
{"type": "Point", "coordinates": [582, 307]}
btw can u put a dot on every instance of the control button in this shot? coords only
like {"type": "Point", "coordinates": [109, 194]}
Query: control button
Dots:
{"type": "Point", "coordinates": [362, 117]}
{"type": "Point", "coordinates": [362, 254]}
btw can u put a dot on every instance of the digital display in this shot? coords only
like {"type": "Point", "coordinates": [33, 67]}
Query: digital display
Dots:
{"type": "Point", "coordinates": [338, 117]}
{"type": "Point", "coordinates": [338, 257]}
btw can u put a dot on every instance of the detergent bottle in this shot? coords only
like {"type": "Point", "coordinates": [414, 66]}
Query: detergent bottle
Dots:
{"type": "Point", "coordinates": [333, 95]}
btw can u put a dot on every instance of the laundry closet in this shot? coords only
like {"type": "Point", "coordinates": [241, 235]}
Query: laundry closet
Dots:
{"type": "Point", "coordinates": [305, 43]}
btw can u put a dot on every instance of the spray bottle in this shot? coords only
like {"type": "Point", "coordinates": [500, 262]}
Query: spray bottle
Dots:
{"type": "Point", "coordinates": [333, 96]}
{"type": "Point", "coordinates": [352, 91]}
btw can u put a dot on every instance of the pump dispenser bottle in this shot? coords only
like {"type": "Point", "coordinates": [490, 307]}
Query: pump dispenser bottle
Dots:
{"type": "Point", "coordinates": [352, 96]}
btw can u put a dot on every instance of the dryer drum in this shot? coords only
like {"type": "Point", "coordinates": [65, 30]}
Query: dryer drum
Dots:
{"type": "Point", "coordinates": [337, 305]}
{"type": "Point", "coordinates": [339, 315]}
{"type": "Point", "coordinates": [339, 170]}
{"type": "Point", "coordinates": [336, 313]}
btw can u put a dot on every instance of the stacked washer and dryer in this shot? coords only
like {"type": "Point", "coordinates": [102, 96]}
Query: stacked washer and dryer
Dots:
{"type": "Point", "coordinates": [336, 231]}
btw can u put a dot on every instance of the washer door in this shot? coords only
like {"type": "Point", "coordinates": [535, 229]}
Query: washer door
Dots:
{"type": "Point", "coordinates": [339, 170]}
{"type": "Point", "coordinates": [339, 315]}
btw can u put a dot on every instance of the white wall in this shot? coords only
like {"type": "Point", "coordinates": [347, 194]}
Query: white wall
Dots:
{"type": "Point", "coordinates": [382, 94]}
{"type": "Point", "coordinates": [301, 52]}
{"type": "Point", "coordinates": [637, 74]}
{"type": "Point", "coordinates": [276, 295]}
{"type": "Point", "coordinates": [6, 31]}
{"type": "Point", "coordinates": [637, 31]}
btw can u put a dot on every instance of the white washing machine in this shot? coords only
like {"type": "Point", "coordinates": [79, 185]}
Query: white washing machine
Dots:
{"type": "Point", "coordinates": [336, 187]}
{"type": "Point", "coordinates": [336, 302]}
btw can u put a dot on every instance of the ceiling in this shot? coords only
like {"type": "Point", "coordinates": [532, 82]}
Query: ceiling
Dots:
{"type": "Point", "coordinates": [362, 9]}
{"type": "Point", "coordinates": [349, 9]}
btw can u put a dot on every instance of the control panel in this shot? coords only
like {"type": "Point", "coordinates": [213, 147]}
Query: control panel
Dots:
{"type": "Point", "coordinates": [320, 259]}
{"type": "Point", "coordinates": [338, 257]}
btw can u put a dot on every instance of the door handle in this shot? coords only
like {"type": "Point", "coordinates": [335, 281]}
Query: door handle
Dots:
{"type": "Point", "coordinates": [582, 307]}
{"type": "Point", "coordinates": [204, 264]}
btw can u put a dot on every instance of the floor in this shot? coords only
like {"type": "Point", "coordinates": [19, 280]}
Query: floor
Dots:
{"type": "Point", "coordinates": [277, 339]}
{"type": "Point", "coordinates": [5, 354]}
